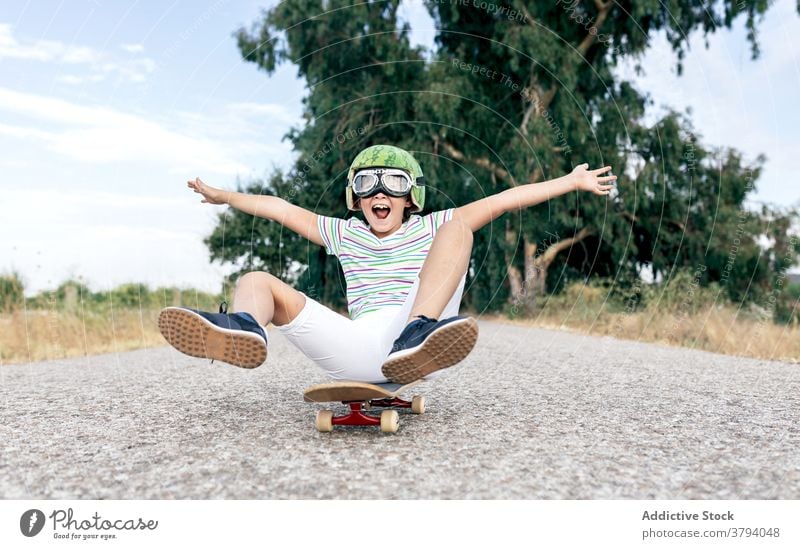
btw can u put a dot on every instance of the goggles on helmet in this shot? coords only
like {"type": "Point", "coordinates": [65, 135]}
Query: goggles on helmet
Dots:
{"type": "Point", "coordinates": [393, 182]}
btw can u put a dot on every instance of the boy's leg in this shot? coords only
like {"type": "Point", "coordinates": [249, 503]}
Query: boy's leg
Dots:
{"type": "Point", "coordinates": [442, 270]}
{"type": "Point", "coordinates": [345, 349]}
{"type": "Point", "coordinates": [428, 344]}
{"type": "Point", "coordinates": [267, 298]}
{"type": "Point", "coordinates": [237, 338]}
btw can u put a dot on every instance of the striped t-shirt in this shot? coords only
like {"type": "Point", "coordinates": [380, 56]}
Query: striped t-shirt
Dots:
{"type": "Point", "coordinates": [379, 271]}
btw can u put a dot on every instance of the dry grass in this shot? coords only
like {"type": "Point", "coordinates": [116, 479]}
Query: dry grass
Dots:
{"type": "Point", "coordinates": [716, 329]}
{"type": "Point", "coordinates": [46, 335]}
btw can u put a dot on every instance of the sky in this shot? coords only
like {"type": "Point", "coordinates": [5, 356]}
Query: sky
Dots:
{"type": "Point", "coordinates": [107, 108]}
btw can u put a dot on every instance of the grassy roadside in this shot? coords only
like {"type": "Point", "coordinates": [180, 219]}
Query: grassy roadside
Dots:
{"type": "Point", "coordinates": [718, 328]}
{"type": "Point", "coordinates": [72, 320]}
{"type": "Point", "coordinates": [47, 335]}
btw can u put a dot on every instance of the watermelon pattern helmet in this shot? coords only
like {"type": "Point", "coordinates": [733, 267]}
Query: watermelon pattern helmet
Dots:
{"type": "Point", "coordinates": [388, 156]}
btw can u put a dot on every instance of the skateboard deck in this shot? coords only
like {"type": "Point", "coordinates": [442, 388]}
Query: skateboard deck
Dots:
{"type": "Point", "coordinates": [361, 398]}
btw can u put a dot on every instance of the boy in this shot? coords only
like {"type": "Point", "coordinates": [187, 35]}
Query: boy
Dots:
{"type": "Point", "coordinates": [403, 273]}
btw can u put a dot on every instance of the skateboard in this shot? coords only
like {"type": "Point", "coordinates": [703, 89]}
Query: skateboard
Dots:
{"type": "Point", "coordinates": [361, 398]}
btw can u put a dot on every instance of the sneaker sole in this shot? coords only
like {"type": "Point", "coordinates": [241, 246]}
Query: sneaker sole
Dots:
{"type": "Point", "coordinates": [445, 347]}
{"type": "Point", "coordinates": [195, 336]}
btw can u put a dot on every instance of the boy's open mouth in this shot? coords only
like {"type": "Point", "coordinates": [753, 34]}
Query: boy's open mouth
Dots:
{"type": "Point", "coordinates": [381, 211]}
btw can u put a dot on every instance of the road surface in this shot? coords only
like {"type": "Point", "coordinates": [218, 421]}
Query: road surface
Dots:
{"type": "Point", "coordinates": [532, 413]}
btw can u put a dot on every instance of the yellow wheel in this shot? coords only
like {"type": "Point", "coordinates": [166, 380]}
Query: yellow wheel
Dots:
{"type": "Point", "coordinates": [418, 405]}
{"type": "Point", "coordinates": [324, 421]}
{"type": "Point", "coordinates": [390, 421]}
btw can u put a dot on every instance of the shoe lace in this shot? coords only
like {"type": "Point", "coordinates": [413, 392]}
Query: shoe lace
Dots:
{"type": "Point", "coordinates": [223, 310]}
{"type": "Point", "coordinates": [425, 318]}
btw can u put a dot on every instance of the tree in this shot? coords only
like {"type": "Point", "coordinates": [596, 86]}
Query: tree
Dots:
{"type": "Point", "coordinates": [512, 94]}
{"type": "Point", "coordinates": [524, 94]}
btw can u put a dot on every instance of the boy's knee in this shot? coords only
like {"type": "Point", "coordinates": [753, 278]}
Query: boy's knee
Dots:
{"type": "Point", "coordinates": [256, 278]}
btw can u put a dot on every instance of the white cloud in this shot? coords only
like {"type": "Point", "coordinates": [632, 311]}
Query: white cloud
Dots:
{"type": "Point", "coordinates": [99, 135]}
{"type": "Point", "coordinates": [272, 111]}
{"type": "Point", "coordinates": [44, 50]}
{"type": "Point", "coordinates": [74, 80]}
{"type": "Point", "coordinates": [132, 48]}
{"type": "Point", "coordinates": [100, 65]}
{"type": "Point", "coordinates": [25, 133]}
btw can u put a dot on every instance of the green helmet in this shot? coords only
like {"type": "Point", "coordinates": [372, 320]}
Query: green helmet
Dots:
{"type": "Point", "coordinates": [388, 156]}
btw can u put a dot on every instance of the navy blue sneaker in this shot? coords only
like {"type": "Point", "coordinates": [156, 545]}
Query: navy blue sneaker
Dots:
{"type": "Point", "coordinates": [233, 338]}
{"type": "Point", "coordinates": [427, 345]}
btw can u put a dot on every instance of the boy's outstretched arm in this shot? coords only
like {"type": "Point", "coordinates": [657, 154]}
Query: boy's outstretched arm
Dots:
{"type": "Point", "coordinates": [294, 218]}
{"type": "Point", "coordinates": [479, 213]}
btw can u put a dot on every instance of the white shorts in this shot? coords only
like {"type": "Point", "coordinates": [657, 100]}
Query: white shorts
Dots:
{"type": "Point", "coordinates": [355, 349]}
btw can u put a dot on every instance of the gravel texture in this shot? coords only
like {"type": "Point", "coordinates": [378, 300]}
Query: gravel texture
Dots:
{"type": "Point", "coordinates": [531, 413]}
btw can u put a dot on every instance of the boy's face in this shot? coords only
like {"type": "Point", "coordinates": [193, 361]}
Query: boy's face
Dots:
{"type": "Point", "coordinates": [384, 213]}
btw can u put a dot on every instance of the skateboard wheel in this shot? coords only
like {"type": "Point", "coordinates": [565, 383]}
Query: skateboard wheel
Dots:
{"type": "Point", "coordinates": [324, 421]}
{"type": "Point", "coordinates": [418, 405]}
{"type": "Point", "coordinates": [390, 421]}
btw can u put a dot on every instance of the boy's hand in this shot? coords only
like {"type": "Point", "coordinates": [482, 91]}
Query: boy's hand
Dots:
{"type": "Point", "coordinates": [590, 180]}
{"type": "Point", "coordinates": [210, 194]}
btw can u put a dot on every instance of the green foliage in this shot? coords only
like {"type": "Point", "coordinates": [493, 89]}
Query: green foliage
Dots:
{"type": "Point", "coordinates": [626, 293]}
{"type": "Point", "coordinates": [679, 203]}
{"type": "Point", "coordinates": [486, 281]}
{"type": "Point", "coordinates": [683, 293]}
{"type": "Point", "coordinates": [12, 292]}
{"type": "Point", "coordinates": [253, 244]}
{"type": "Point", "coordinates": [503, 101]}
{"type": "Point", "coordinates": [787, 304]}
{"type": "Point", "coordinates": [75, 295]}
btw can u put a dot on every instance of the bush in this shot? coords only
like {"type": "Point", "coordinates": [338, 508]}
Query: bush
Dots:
{"type": "Point", "coordinates": [164, 297]}
{"type": "Point", "coordinates": [580, 292]}
{"type": "Point", "coordinates": [12, 292]}
{"type": "Point", "coordinates": [72, 294]}
{"type": "Point", "coordinates": [129, 296]}
{"type": "Point", "coordinates": [626, 293]}
{"type": "Point", "coordinates": [684, 293]}
{"type": "Point", "coordinates": [787, 306]}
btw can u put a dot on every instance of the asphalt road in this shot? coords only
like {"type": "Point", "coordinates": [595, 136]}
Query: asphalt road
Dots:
{"type": "Point", "coordinates": [530, 414]}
